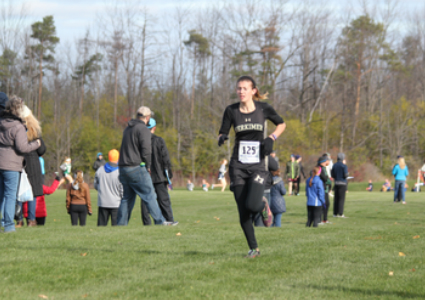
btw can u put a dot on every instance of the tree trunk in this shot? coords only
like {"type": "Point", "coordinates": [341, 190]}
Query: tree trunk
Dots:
{"type": "Point", "coordinates": [116, 91]}
{"type": "Point", "coordinates": [40, 84]}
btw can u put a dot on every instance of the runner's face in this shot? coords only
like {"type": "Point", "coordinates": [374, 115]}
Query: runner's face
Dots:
{"type": "Point", "coordinates": [245, 91]}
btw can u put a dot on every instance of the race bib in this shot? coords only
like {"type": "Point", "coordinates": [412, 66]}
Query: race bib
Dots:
{"type": "Point", "coordinates": [249, 152]}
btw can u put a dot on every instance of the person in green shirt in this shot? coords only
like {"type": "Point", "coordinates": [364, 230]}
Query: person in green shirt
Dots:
{"type": "Point", "coordinates": [292, 174]}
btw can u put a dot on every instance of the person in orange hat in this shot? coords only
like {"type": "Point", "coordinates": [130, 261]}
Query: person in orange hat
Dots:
{"type": "Point", "coordinates": [110, 190]}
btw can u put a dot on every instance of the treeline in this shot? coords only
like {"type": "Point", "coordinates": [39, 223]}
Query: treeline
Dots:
{"type": "Point", "coordinates": [354, 84]}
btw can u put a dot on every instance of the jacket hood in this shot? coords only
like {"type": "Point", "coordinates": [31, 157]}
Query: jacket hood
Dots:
{"type": "Point", "coordinates": [3, 100]}
{"type": "Point", "coordinates": [134, 122]}
{"type": "Point", "coordinates": [8, 121]}
{"type": "Point", "coordinates": [341, 156]}
{"type": "Point", "coordinates": [75, 185]}
{"type": "Point", "coordinates": [110, 167]}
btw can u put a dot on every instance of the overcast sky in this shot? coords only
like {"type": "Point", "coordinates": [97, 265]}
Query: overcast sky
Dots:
{"type": "Point", "coordinates": [72, 17]}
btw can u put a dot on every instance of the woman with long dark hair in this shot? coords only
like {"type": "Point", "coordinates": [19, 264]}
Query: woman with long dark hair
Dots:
{"type": "Point", "coordinates": [248, 166]}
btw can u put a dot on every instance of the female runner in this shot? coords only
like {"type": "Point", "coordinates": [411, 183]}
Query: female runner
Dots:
{"type": "Point", "coordinates": [248, 167]}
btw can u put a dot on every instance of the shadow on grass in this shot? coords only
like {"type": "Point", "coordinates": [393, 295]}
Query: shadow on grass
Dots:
{"type": "Point", "coordinates": [365, 292]}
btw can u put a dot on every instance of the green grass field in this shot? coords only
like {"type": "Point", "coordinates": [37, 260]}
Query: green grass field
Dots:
{"type": "Point", "coordinates": [349, 259]}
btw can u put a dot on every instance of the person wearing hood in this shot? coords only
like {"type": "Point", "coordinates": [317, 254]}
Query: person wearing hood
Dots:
{"type": "Point", "coordinates": [314, 191]}
{"type": "Point", "coordinates": [339, 174]}
{"type": "Point", "coordinates": [100, 162]}
{"type": "Point", "coordinates": [135, 164]}
{"type": "Point", "coordinates": [161, 175]}
{"type": "Point", "coordinates": [78, 202]}
{"type": "Point", "coordinates": [13, 145]}
{"type": "Point", "coordinates": [110, 190]}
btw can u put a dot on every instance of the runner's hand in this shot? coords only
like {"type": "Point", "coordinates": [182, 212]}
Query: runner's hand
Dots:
{"type": "Point", "coordinates": [268, 146]}
{"type": "Point", "coordinates": [221, 139]}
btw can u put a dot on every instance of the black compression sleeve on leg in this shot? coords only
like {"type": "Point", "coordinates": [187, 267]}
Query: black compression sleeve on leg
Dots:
{"type": "Point", "coordinates": [240, 193]}
{"type": "Point", "coordinates": [254, 199]}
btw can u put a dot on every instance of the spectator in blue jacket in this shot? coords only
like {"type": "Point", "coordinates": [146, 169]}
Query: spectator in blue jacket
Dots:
{"type": "Point", "coordinates": [277, 202]}
{"type": "Point", "coordinates": [400, 172]}
{"type": "Point", "coordinates": [340, 173]}
{"type": "Point", "coordinates": [315, 193]}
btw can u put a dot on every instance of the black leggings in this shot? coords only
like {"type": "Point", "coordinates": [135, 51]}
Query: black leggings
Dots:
{"type": "Point", "coordinates": [78, 212]}
{"type": "Point", "coordinates": [313, 215]}
{"type": "Point", "coordinates": [325, 210]}
{"type": "Point", "coordinates": [249, 200]}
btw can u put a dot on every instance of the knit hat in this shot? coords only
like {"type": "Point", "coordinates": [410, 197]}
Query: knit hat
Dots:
{"type": "Point", "coordinates": [3, 100]}
{"type": "Point", "coordinates": [341, 156]}
{"type": "Point", "coordinates": [113, 156]}
{"type": "Point", "coordinates": [152, 123]}
{"type": "Point", "coordinates": [144, 111]}
{"type": "Point", "coordinates": [99, 154]}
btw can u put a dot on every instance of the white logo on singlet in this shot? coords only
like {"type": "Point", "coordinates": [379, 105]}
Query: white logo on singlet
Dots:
{"type": "Point", "coordinates": [245, 127]}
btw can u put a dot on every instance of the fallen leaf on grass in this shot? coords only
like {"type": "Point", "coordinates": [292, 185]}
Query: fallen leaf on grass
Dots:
{"type": "Point", "coordinates": [43, 296]}
{"type": "Point", "coordinates": [198, 221]}
{"type": "Point", "coordinates": [395, 223]}
{"type": "Point", "coordinates": [412, 270]}
{"type": "Point", "coordinates": [391, 273]}
{"type": "Point", "coordinates": [416, 237]}
{"type": "Point", "coordinates": [83, 254]}
{"type": "Point", "coordinates": [218, 219]}
{"type": "Point", "coordinates": [84, 296]}
{"type": "Point", "coordinates": [211, 263]}
{"type": "Point", "coordinates": [178, 234]}
{"type": "Point", "coordinates": [401, 254]}
{"type": "Point", "coordinates": [408, 213]}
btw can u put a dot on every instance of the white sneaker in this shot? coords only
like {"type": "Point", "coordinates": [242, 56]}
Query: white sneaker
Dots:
{"type": "Point", "coordinates": [330, 194]}
{"type": "Point", "coordinates": [343, 217]}
{"type": "Point", "coordinates": [336, 216]}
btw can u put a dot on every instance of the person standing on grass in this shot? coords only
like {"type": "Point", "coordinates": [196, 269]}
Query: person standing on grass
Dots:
{"type": "Point", "coordinates": [78, 202]}
{"type": "Point", "coordinates": [32, 163]}
{"type": "Point", "coordinates": [301, 172]}
{"type": "Point", "coordinates": [13, 145]}
{"type": "Point", "coordinates": [221, 177]}
{"type": "Point", "coordinates": [110, 190]}
{"type": "Point", "coordinates": [328, 171]}
{"type": "Point", "coordinates": [100, 162]}
{"type": "Point", "coordinates": [292, 174]}
{"type": "Point", "coordinates": [339, 174]}
{"type": "Point", "coordinates": [324, 176]}
{"type": "Point", "coordinates": [248, 166]}
{"type": "Point", "coordinates": [161, 175]}
{"type": "Point", "coordinates": [277, 202]}
{"type": "Point", "coordinates": [315, 193]}
{"type": "Point", "coordinates": [135, 168]}
{"type": "Point", "coordinates": [400, 172]}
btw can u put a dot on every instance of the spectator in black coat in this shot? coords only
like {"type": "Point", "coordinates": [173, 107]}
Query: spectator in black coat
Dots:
{"type": "Point", "coordinates": [32, 163]}
{"type": "Point", "coordinates": [100, 162]}
{"type": "Point", "coordinates": [323, 162]}
{"type": "Point", "coordinates": [161, 175]}
{"type": "Point", "coordinates": [340, 174]}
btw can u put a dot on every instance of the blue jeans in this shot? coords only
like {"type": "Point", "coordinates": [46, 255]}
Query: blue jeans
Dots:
{"type": "Point", "coordinates": [399, 188]}
{"type": "Point", "coordinates": [276, 220]}
{"type": "Point", "coordinates": [137, 181]}
{"type": "Point", "coordinates": [9, 181]}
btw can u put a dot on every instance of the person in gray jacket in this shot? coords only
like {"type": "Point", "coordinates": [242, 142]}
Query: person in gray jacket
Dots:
{"type": "Point", "coordinates": [110, 190]}
{"type": "Point", "coordinates": [13, 144]}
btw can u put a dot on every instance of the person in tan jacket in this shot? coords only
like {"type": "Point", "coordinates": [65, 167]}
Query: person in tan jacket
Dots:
{"type": "Point", "coordinates": [78, 202]}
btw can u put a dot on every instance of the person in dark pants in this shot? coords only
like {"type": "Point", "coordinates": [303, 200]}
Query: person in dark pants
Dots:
{"type": "Point", "coordinates": [161, 175]}
{"type": "Point", "coordinates": [315, 193]}
{"type": "Point", "coordinates": [339, 174]}
{"type": "Point", "coordinates": [301, 172]}
{"type": "Point", "coordinates": [78, 202]}
{"type": "Point", "coordinates": [248, 168]}
{"type": "Point", "coordinates": [324, 176]}
{"type": "Point", "coordinates": [110, 190]}
{"type": "Point", "coordinates": [32, 163]}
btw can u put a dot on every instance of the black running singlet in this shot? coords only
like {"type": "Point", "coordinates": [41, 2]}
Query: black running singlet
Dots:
{"type": "Point", "coordinates": [249, 128]}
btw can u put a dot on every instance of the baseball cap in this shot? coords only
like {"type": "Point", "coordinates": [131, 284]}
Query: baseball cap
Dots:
{"type": "Point", "coordinates": [144, 111]}
{"type": "Point", "coordinates": [152, 123]}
